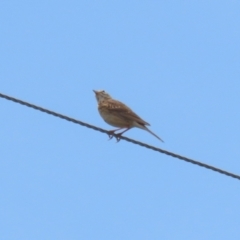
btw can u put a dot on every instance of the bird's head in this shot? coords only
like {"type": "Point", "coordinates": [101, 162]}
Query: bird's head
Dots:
{"type": "Point", "coordinates": [101, 95]}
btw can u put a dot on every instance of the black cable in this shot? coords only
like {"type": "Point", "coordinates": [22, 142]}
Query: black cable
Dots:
{"type": "Point", "coordinates": [122, 137]}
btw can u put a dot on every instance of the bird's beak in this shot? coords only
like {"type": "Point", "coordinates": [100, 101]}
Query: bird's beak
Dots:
{"type": "Point", "coordinates": [95, 91]}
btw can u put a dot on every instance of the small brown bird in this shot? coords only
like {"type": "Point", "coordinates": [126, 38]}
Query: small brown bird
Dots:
{"type": "Point", "coordinates": [119, 115]}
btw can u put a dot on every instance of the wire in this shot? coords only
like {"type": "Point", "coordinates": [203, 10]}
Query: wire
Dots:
{"type": "Point", "coordinates": [122, 137]}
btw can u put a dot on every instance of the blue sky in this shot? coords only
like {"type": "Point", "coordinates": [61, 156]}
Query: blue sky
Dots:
{"type": "Point", "coordinates": [175, 63]}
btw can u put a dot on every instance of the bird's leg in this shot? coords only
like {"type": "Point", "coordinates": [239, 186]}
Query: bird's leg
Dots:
{"type": "Point", "coordinates": [110, 133]}
{"type": "Point", "coordinates": [119, 134]}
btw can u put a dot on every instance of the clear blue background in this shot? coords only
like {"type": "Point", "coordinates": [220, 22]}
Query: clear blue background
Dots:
{"type": "Point", "coordinates": [175, 63]}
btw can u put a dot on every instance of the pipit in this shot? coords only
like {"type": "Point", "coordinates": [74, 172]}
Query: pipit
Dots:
{"type": "Point", "coordinates": [119, 115]}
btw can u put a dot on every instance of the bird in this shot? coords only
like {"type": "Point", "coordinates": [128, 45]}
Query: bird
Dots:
{"type": "Point", "coordinates": [117, 114]}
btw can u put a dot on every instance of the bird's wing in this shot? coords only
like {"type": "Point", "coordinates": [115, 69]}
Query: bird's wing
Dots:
{"type": "Point", "coordinates": [121, 110]}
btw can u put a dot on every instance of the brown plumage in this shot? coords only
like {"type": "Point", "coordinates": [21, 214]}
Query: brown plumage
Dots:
{"type": "Point", "coordinates": [119, 115]}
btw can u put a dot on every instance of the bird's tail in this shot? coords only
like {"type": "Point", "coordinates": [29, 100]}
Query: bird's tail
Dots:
{"type": "Point", "coordinates": [139, 125]}
{"type": "Point", "coordinates": [153, 133]}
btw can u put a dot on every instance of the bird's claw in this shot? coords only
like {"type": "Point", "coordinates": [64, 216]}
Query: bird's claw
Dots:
{"type": "Point", "coordinates": [110, 135]}
{"type": "Point", "coordinates": [117, 136]}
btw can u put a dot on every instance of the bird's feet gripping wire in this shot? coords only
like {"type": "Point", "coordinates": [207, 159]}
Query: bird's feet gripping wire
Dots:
{"type": "Point", "coordinates": [112, 134]}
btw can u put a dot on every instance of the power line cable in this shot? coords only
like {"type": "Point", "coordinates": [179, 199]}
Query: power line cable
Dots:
{"type": "Point", "coordinates": [122, 137]}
